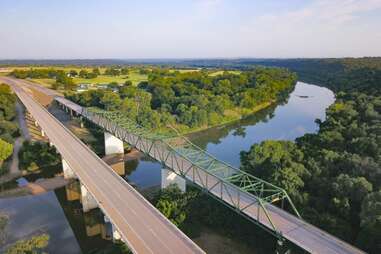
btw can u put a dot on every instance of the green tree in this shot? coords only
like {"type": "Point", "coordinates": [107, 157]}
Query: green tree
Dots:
{"type": "Point", "coordinates": [279, 162]}
{"type": "Point", "coordinates": [127, 83]}
{"type": "Point", "coordinates": [83, 73]}
{"type": "Point", "coordinates": [110, 100]}
{"type": "Point", "coordinates": [129, 107]}
{"type": "Point", "coordinates": [65, 81]}
{"type": "Point", "coordinates": [174, 204]}
{"type": "Point", "coordinates": [348, 192]}
{"type": "Point", "coordinates": [34, 245]}
{"type": "Point", "coordinates": [6, 150]}
{"type": "Point", "coordinates": [371, 208]}
{"type": "Point", "coordinates": [96, 71]}
{"type": "Point", "coordinates": [7, 103]}
{"type": "Point", "coordinates": [73, 73]}
{"type": "Point", "coordinates": [124, 71]}
{"type": "Point", "coordinates": [3, 224]}
{"type": "Point", "coordinates": [370, 233]}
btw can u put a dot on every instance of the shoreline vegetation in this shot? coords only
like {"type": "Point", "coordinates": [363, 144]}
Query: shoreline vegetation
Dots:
{"type": "Point", "coordinates": [255, 110]}
{"type": "Point", "coordinates": [187, 101]}
{"type": "Point", "coordinates": [9, 130]}
{"type": "Point", "coordinates": [333, 175]}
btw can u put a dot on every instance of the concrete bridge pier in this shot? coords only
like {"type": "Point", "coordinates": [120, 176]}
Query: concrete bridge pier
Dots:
{"type": "Point", "coordinates": [87, 199]}
{"type": "Point", "coordinates": [168, 177]}
{"type": "Point", "coordinates": [113, 144]}
{"type": "Point", "coordinates": [68, 171]}
{"type": "Point", "coordinates": [81, 122]}
{"type": "Point", "coordinates": [115, 234]}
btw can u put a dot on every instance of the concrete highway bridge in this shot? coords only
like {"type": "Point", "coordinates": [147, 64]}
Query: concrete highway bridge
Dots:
{"type": "Point", "coordinates": [257, 200]}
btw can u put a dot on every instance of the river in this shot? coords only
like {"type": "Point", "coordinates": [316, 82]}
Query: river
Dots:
{"type": "Point", "coordinates": [71, 231]}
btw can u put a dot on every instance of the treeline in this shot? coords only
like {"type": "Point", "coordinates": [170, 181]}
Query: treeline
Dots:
{"type": "Point", "coordinates": [36, 155]}
{"type": "Point", "coordinates": [334, 176]}
{"type": "Point", "coordinates": [193, 211]}
{"type": "Point", "coordinates": [63, 80]}
{"type": "Point", "coordinates": [193, 99]}
{"type": "Point", "coordinates": [349, 74]}
{"type": "Point", "coordinates": [8, 129]}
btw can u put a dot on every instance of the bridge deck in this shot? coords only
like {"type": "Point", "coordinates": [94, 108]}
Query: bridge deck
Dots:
{"type": "Point", "coordinates": [303, 234]}
{"type": "Point", "coordinates": [140, 224]}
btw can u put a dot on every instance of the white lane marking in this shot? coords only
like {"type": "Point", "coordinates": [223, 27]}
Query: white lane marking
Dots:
{"type": "Point", "coordinates": [117, 195]}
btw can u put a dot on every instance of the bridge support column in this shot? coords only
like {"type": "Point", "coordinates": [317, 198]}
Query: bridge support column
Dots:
{"type": "Point", "coordinates": [115, 234]}
{"type": "Point", "coordinates": [168, 177]}
{"type": "Point", "coordinates": [87, 199]}
{"type": "Point", "coordinates": [68, 171]}
{"type": "Point", "coordinates": [113, 144]}
{"type": "Point", "coordinates": [81, 122]}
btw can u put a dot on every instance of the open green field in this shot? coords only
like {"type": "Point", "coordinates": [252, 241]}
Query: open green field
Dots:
{"type": "Point", "coordinates": [134, 77]}
{"type": "Point", "coordinates": [222, 71]}
{"type": "Point", "coordinates": [184, 70]}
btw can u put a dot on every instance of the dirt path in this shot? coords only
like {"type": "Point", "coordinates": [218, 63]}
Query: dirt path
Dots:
{"type": "Point", "coordinates": [14, 170]}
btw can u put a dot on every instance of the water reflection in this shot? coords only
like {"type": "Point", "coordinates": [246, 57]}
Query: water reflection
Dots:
{"type": "Point", "coordinates": [89, 228]}
{"type": "Point", "coordinates": [282, 122]}
{"type": "Point", "coordinates": [73, 231]}
{"type": "Point", "coordinates": [31, 215]}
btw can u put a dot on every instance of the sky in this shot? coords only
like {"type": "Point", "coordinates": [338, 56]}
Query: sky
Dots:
{"type": "Point", "coordinates": [130, 29]}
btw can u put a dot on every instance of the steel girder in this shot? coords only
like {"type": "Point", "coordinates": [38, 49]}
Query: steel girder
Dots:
{"type": "Point", "coordinates": [244, 193]}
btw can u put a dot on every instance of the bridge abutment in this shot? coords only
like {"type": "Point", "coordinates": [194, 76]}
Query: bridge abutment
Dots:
{"type": "Point", "coordinates": [168, 177]}
{"type": "Point", "coordinates": [113, 144]}
{"type": "Point", "coordinates": [87, 199]}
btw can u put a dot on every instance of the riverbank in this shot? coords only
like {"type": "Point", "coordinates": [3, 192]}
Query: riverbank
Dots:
{"type": "Point", "coordinates": [234, 117]}
{"type": "Point", "coordinates": [35, 188]}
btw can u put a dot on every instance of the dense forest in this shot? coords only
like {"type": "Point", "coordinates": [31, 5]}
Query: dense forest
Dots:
{"type": "Point", "coordinates": [36, 155]}
{"type": "Point", "coordinates": [334, 176]}
{"type": "Point", "coordinates": [338, 74]}
{"type": "Point", "coordinates": [63, 80]}
{"type": "Point", "coordinates": [8, 129]}
{"type": "Point", "coordinates": [193, 100]}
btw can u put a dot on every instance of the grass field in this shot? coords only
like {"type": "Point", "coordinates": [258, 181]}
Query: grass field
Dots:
{"type": "Point", "coordinates": [184, 70]}
{"type": "Point", "coordinates": [134, 77]}
{"type": "Point", "coordinates": [221, 72]}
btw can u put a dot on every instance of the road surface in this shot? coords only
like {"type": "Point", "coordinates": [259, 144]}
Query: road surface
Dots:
{"type": "Point", "coordinates": [141, 225]}
{"type": "Point", "coordinates": [296, 230]}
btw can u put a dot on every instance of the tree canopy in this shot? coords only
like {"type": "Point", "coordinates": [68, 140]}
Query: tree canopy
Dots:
{"type": "Point", "coordinates": [192, 99]}
{"type": "Point", "coordinates": [336, 172]}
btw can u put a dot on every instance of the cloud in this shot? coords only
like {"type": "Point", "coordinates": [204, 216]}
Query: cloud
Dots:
{"type": "Point", "coordinates": [320, 28]}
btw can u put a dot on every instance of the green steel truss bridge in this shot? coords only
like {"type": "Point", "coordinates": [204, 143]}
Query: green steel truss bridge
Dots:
{"type": "Point", "coordinates": [179, 154]}
{"type": "Point", "coordinates": [259, 201]}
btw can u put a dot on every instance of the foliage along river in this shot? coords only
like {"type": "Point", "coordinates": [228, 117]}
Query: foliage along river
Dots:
{"type": "Point", "coordinates": [71, 231]}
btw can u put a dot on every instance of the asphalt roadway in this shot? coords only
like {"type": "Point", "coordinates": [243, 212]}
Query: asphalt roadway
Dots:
{"type": "Point", "coordinates": [140, 224]}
